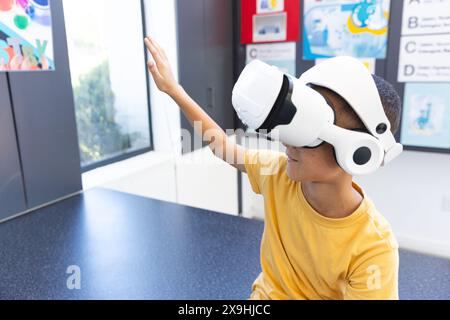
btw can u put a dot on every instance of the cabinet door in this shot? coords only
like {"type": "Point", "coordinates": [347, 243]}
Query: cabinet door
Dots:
{"type": "Point", "coordinates": [205, 44]}
{"type": "Point", "coordinates": [12, 197]}
{"type": "Point", "coordinates": [219, 57]}
{"type": "Point", "coordinates": [191, 52]}
{"type": "Point", "coordinates": [46, 127]}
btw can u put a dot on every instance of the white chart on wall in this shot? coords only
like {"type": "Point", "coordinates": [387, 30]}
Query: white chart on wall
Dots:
{"type": "Point", "coordinates": [425, 41]}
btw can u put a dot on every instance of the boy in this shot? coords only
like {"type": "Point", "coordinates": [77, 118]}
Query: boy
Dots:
{"type": "Point", "coordinates": [323, 237]}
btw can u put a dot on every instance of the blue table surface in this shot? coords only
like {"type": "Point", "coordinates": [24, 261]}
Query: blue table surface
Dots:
{"type": "Point", "coordinates": [129, 247]}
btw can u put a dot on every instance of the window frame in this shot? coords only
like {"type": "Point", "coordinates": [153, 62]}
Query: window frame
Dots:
{"type": "Point", "coordinates": [131, 154]}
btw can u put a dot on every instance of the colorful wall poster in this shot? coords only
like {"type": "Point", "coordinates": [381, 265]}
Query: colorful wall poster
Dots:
{"type": "Point", "coordinates": [281, 55]}
{"type": "Point", "coordinates": [270, 27]}
{"type": "Point", "coordinates": [424, 58]}
{"type": "Point", "coordinates": [26, 39]}
{"type": "Point", "coordinates": [426, 115]}
{"type": "Point", "coordinates": [357, 28]}
{"type": "Point", "coordinates": [269, 6]}
{"type": "Point", "coordinates": [264, 21]}
{"type": "Point", "coordinates": [425, 17]}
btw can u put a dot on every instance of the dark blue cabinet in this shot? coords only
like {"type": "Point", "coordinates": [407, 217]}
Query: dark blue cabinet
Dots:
{"type": "Point", "coordinates": [43, 135]}
{"type": "Point", "coordinates": [205, 50]}
{"type": "Point", "coordinates": [12, 196]}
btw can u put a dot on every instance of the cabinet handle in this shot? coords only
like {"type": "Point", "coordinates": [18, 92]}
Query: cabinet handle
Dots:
{"type": "Point", "coordinates": [210, 97]}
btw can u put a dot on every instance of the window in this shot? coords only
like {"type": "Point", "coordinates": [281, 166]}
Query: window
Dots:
{"type": "Point", "coordinates": [110, 85]}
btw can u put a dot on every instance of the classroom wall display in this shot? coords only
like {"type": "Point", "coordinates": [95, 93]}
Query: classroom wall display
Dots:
{"type": "Point", "coordinates": [267, 26]}
{"type": "Point", "coordinates": [281, 55]}
{"type": "Point", "coordinates": [425, 41]}
{"type": "Point", "coordinates": [426, 115]}
{"type": "Point", "coordinates": [357, 28]}
{"type": "Point", "coordinates": [270, 28]}
{"type": "Point", "coordinates": [264, 21]}
{"type": "Point", "coordinates": [26, 41]}
{"type": "Point", "coordinates": [425, 17]}
{"type": "Point", "coordinates": [424, 58]}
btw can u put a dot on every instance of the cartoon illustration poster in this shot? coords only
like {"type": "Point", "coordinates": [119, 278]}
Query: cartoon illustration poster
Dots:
{"type": "Point", "coordinates": [26, 42]}
{"type": "Point", "coordinates": [357, 28]}
{"type": "Point", "coordinates": [270, 27]}
{"type": "Point", "coordinates": [426, 115]}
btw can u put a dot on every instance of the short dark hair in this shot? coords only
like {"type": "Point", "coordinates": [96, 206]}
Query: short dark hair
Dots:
{"type": "Point", "coordinates": [391, 101]}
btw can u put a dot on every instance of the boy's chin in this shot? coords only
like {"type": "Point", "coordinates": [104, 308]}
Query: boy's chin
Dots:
{"type": "Point", "coordinates": [296, 172]}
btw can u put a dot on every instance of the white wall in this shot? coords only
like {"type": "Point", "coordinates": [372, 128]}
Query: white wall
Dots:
{"type": "Point", "coordinates": [205, 181]}
{"type": "Point", "coordinates": [150, 175]}
{"type": "Point", "coordinates": [410, 193]}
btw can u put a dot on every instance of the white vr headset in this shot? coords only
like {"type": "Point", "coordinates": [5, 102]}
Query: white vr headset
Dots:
{"type": "Point", "coordinates": [269, 101]}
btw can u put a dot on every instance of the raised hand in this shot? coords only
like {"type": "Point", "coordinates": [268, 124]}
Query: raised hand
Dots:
{"type": "Point", "coordinates": [160, 68]}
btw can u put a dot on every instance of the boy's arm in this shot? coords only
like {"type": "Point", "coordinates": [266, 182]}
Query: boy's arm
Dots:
{"type": "Point", "coordinates": [375, 278]}
{"type": "Point", "coordinates": [209, 130]}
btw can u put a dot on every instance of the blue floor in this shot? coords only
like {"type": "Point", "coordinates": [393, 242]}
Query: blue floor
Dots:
{"type": "Point", "coordinates": [423, 277]}
{"type": "Point", "coordinates": [130, 247]}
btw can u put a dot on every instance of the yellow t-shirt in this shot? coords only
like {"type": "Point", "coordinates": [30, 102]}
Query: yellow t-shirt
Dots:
{"type": "Point", "coordinates": [305, 255]}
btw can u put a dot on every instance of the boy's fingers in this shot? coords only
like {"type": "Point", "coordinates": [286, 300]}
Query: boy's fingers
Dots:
{"type": "Point", "coordinates": [154, 52]}
{"type": "Point", "coordinates": [154, 70]}
{"type": "Point", "coordinates": [150, 47]}
{"type": "Point", "coordinates": [152, 67]}
{"type": "Point", "coordinates": [158, 47]}
{"type": "Point", "coordinates": [155, 45]}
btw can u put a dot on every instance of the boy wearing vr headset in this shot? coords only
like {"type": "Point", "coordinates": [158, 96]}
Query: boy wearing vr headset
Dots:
{"type": "Point", "coordinates": [323, 236]}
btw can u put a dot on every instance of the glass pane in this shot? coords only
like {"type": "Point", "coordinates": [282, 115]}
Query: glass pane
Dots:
{"type": "Point", "coordinates": [106, 51]}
